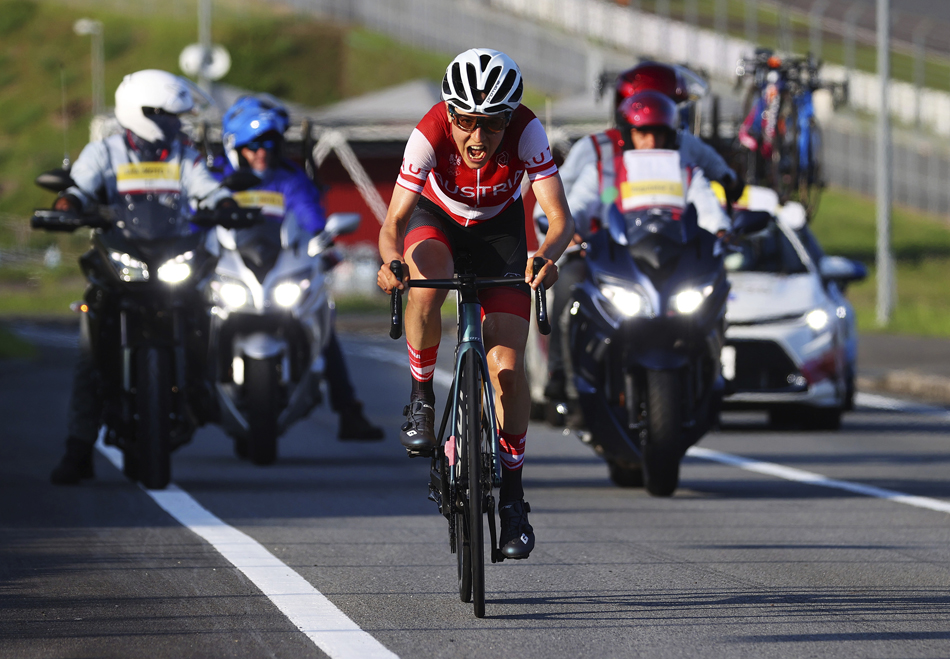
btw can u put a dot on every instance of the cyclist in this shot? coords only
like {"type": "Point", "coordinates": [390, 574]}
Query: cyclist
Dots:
{"type": "Point", "coordinates": [459, 191]}
{"type": "Point", "coordinates": [253, 135]}
{"type": "Point", "coordinates": [591, 150]}
{"type": "Point", "coordinates": [147, 106]}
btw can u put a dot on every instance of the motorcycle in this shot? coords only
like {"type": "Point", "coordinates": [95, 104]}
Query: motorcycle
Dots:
{"type": "Point", "coordinates": [644, 329]}
{"type": "Point", "coordinates": [271, 318]}
{"type": "Point", "coordinates": [144, 320]}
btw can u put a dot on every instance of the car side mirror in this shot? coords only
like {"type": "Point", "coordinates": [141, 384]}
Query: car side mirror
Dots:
{"type": "Point", "coordinates": [747, 222]}
{"type": "Point", "coordinates": [55, 180]}
{"type": "Point", "coordinates": [842, 270]}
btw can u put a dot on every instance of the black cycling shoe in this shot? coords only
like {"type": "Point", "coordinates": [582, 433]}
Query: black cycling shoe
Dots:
{"type": "Point", "coordinates": [418, 432]}
{"type": "Point", "coordinates": [517, 536]}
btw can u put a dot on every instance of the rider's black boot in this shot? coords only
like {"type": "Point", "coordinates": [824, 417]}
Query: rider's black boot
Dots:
{"type": "Point", "coordinates": [517, 536]}
{"type": "Point", "coordinates": [418, 432]}
{"type": "Point", "coordinates": [355, 426]}
{"type": "Point", "coordinates": [76, 464]}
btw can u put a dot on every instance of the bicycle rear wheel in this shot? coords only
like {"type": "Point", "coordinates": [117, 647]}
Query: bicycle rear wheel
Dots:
{"type": "Point", "coordinates": [470, 455]}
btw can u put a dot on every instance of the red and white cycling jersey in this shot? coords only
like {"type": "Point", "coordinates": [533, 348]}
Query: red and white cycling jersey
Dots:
{"type": "Point", "coordinates": [474, 195]}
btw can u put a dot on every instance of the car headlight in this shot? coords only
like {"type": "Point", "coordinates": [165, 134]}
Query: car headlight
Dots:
{"type": "Point", "coordinates": [129, 268]}
{"type": "Point", "coordinates": [173, 272]}
{"type": "Point", "coordinates": [817, 319]}
{"type": "Point", "coordinates": [286, 293]}
{"type": "Point", "coordinates": [234, 295]}
{"type": "Point", "coordinates": [628, 302]}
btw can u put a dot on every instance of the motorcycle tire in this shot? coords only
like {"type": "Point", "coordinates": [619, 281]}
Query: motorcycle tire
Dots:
{"type": "Point", "coordinates": [261, 382]}
{"type": "Point", "coordinates": [151, 465]}
{"type": "Point", "coordinates": [663, 447]}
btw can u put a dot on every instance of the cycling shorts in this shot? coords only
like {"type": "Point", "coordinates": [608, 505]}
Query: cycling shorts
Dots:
{"type": "Point", "coordinates": [497, 247]}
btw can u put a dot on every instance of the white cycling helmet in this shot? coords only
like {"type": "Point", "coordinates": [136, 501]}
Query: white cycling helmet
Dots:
{"type": "Point", "coordinates": [483, 81]}
{"type": "Point", "coordinates": [150, 88]}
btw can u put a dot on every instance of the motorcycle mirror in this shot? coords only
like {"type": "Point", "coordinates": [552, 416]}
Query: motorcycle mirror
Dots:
{"type": "Point", "coordinates": [340, 224]}
{"type": "Point", "coordinates": [55, 180]}
{"type": "Point", "coordinates": [241, 180]}
{"type": "Point", "coordinates": [747, 222]}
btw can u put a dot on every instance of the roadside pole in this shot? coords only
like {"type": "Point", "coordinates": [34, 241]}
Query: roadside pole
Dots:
{"type": "Point", "coordinates": [886, 285]}
{"type": "Point", "coordinates": [204, 38]}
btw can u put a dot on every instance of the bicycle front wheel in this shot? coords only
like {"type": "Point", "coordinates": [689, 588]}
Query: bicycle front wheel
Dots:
{"type": "Point", "coordinates": [470, 433]}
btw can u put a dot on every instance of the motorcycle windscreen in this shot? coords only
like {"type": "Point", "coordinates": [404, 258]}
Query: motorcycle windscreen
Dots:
{"type": "Point", "coordinates": [654, 236]}
{"type": "Point", "coordinates": [259, 247]}
{"type": "Point", "coordinates": [150, 206]}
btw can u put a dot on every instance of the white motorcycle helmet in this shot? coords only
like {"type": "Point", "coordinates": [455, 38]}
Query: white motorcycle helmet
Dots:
{"type": "Point", "coordinates": [483, 81]}
{"type": "Point", "coordinates": [154, 89]}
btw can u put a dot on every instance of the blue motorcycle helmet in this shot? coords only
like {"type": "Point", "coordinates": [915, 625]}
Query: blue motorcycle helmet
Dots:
{"type": "Point", "coordinates": [251, 117]}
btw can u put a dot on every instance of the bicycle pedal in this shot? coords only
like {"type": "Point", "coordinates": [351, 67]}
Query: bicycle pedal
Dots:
{"type": "Point", "coordinates": [420, 453]}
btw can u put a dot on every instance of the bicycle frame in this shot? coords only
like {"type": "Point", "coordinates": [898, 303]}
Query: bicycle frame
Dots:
{"type": "Point", "coordinates": [456, 502]}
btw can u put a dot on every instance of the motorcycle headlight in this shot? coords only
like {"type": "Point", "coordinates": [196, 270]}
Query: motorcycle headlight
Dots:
{"type": "Point", "coordinates": [817, 319]}
{"type": "Point", "coordinates": [233, 294]}
{"type": "Point", "coordinates": [688, 301]}
{"type": "Point", "coordinates": [628, 302]}
{"type": "Point", "coordinates": [128, 268]}
{"type": "Point", "coordinates": [172, 272]}
{"type": "Point", "coordinates": [287, 293]}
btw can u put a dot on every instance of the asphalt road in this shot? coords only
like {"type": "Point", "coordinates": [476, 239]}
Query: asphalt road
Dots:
{"type": "Point", "coordinates": [737, 564]}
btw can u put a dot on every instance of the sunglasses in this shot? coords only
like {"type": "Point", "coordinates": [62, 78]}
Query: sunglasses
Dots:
{"type": "Point", "coordinates": [470, 123]}
{"type": "Point", "coordinates": [256, 145]}
{"type": "Point", "coordinates": [157, 112]}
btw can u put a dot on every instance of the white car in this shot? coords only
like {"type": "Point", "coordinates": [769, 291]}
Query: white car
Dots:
{"type": "Point", "coordinates": [791, 343]}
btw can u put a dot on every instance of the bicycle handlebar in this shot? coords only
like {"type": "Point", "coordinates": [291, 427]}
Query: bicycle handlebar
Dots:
{"type": "Point", "coordinates": [395, 305]}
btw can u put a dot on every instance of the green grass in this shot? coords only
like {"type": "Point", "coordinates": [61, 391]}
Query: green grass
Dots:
{"type": "Point", "coordinates": [846, 226]}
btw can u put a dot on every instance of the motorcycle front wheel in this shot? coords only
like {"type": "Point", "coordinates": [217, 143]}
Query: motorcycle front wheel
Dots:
{"type": "Point", "coordinates": [662, 450]}
{"type": "Point", "coordinates": [261, 382]}
{"type": "Point", "coordinates": [151, 452]}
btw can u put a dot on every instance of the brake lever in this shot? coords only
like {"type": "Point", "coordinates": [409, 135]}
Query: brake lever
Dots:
{"type": "Point", "coordinates": [540, 298]}
{"type": "Point", "coordinates": [395, 303]}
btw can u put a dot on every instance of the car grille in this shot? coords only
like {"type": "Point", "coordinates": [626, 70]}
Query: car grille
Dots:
{"type": "Point", "coordinates": [764, 366]}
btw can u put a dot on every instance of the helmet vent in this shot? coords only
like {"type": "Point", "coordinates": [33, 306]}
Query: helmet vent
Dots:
{"type": "Point", "coordinates": [506, 84]}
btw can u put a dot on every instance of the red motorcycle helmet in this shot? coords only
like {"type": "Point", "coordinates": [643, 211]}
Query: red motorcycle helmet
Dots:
{"type": "Point", "coordinates": [654, 76]}
{"type": "Point", "coordinates": [648, 109]}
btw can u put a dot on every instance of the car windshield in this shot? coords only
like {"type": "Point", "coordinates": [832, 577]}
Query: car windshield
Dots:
{"type": "Point", "coordinates": [768, 250]}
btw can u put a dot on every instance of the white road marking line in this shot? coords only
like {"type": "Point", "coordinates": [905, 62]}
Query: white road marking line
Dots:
{"type": "Point", "coordinates": [878, 402]}
{"type": "Point", "coordinates": [811, 478]}
{"type": "Point", "coordinates": [305, 606]}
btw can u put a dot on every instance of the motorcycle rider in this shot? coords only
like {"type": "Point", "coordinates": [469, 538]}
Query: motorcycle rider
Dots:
{"type": "Point", "coordinates": [253, 129]}
{"type": "Point", "coordinates": [647, 120]}
{"type": "Point", "coordinates": [589, 152]}
{"type": "Point", "coordinates": [148, 104]}
{"type": "Point", "coordinates": [463, 164]}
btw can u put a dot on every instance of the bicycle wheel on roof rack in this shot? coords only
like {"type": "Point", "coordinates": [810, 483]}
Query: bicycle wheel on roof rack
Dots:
{"type": "Point", "coordinates": [811, 178]}
{"type": "Point", "coordinates": [784, 165]}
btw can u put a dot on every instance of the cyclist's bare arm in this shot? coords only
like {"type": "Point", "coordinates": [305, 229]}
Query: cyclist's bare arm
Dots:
{"type": "Point", "coordinates": [392, 234]}
{"type": "Point", "coordinates": [550, 194]}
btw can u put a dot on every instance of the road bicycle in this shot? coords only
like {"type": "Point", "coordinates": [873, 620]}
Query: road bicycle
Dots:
{"type": "Point", "coordinates": [780, 132]}
{"type": "Point", "coordinates": [466, 464]}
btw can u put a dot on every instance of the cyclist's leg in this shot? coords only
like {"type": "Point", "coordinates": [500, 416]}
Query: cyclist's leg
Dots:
{"type": "Point", "coordinates": [429, 256]}
{"type": "Point", "coordinates": [505, 335]}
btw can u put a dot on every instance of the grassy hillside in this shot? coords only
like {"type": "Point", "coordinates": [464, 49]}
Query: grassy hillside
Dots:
{"type": "Point", "coordinates": [300, 60]}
